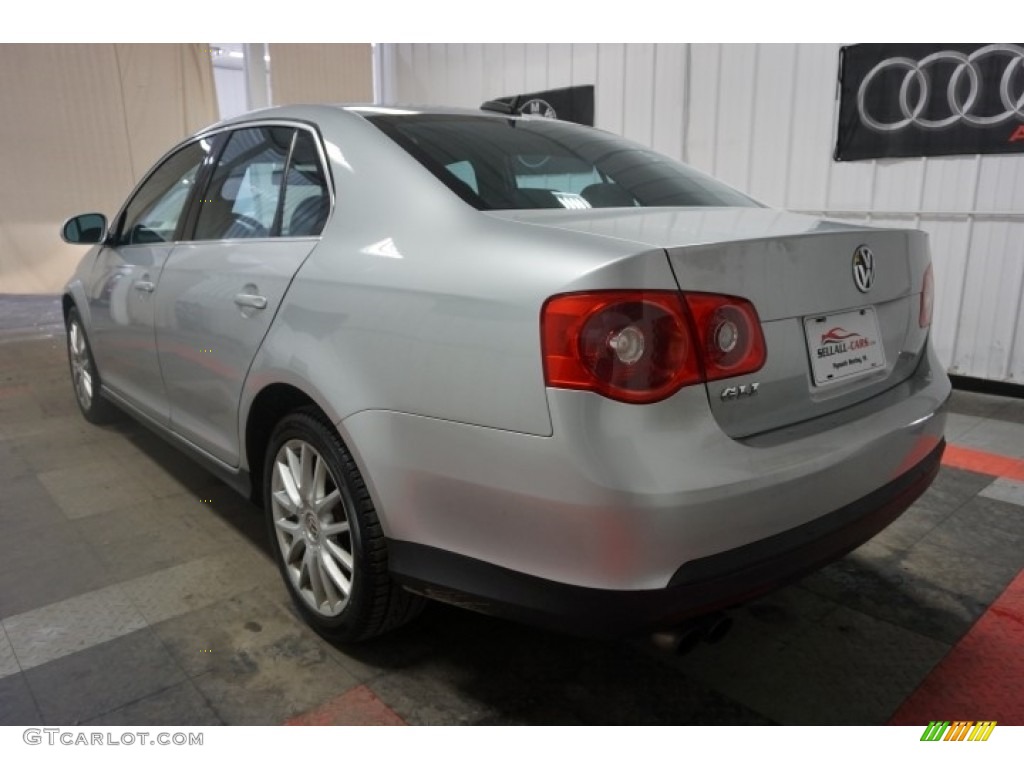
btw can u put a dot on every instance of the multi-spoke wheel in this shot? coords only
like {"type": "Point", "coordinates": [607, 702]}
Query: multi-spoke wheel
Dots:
{"type": "Point", "coordinates": [312, 528]}
{"type": "Point", "coordinates": [328, 540]}
{"type": "Point", "coordinates": [84, 376]}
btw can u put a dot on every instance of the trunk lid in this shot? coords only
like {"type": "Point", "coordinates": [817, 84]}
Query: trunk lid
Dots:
{"type": "Point", "coordinates": [799, 273]}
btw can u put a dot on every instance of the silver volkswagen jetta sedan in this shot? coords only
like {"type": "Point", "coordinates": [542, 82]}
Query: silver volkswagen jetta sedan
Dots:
{"type": "Point", "coordinates": [512, 363]}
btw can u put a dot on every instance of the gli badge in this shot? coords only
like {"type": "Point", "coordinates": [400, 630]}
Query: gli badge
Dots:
{"type": "Point", "coordinates": [743, 390]}
{"type": "Point", "coordinates": [863, 268]}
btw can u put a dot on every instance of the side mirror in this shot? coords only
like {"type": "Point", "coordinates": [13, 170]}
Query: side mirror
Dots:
{"type": "Point", "coordinates": [86, 229]}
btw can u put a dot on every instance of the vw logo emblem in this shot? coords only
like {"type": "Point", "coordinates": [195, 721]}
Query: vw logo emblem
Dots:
{"type": "Point", "coordinates": [863, 268]}
{"type": "Point", "coordinates": [538, 107]}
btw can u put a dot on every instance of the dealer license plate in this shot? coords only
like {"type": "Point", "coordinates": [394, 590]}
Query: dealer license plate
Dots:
{"type": "Point", "coordinates": [844, 346]}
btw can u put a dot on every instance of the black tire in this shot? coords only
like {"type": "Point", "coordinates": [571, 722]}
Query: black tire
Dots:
{"type": "Point", "coordinates": [375, 603]}
{"type": "Point", "coordinates": [94, 407]}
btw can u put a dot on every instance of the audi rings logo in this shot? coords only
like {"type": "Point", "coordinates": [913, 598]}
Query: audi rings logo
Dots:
{"type": "Point", "coordinates": [863, 268]}
{"type": "Point", "coordinates": [962, 92]}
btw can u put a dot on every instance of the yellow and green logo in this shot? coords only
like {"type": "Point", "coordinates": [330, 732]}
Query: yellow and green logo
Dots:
{"type": "Point", "coordinates": [958, 730]}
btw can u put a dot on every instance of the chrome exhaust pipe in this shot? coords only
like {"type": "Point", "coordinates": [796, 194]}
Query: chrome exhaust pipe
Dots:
{"type": "Point", "coordinates": [683, 639]}
{"type": "Point", "coordinates": [718, 629]}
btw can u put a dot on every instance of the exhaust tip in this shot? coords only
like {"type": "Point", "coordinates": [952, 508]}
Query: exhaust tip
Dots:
{"type": "Point", "coordinates": [718, 630]}
{"type": "Point", "coordinates": [677, 641]}
{"type": "Point", "coordinates": [681, 640]}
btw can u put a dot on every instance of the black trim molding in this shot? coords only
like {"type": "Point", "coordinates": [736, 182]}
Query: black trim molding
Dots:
{"type": "Point", "coordinates": [987, 386]}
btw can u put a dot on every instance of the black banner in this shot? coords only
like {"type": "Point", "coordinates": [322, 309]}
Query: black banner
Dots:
{"type": "Point", "coordinates": [916, 100]}
{"type": "Point", "coordinates": [575, 104]}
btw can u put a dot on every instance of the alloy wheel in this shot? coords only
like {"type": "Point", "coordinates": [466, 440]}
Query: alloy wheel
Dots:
{"type": "Point", "coordinates": [81, 365]}
{"type": "Point", "coordinates": [311, 526]}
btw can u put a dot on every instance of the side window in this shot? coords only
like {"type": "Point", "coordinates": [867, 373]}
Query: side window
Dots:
{"type": "Point", "coordinates": [306, 201]}
{"type": "Point", "coordinates": [152, 215]}
{"type": "Point", "coordinates": [242, 198]}
{"type": "Point", "coordinates": [463, 171]}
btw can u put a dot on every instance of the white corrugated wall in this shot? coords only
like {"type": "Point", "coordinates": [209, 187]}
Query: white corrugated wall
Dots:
{"type": "Point", "coordinates": [761, 117]}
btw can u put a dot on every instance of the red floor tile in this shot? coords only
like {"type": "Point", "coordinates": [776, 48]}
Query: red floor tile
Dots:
{"type": "Point", "coordinates": [982, 677]}
{"type": "Point", "coordinates": [360, 706]}
{"type": "Point", "coordinates": [983, 462]}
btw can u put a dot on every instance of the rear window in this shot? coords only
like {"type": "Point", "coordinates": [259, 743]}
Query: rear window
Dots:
{"type": "Point", "coordinates": [502, 163]}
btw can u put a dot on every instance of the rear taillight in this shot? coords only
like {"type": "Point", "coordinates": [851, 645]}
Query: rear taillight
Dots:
{"type": "Point", "coordinates": [730, 335]}
{"type": "Point", "coordinates": [924, 317]}
{"type": "Point", "coordinates": [642, 346]}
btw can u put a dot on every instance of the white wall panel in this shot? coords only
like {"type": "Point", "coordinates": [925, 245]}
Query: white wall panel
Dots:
{"type": "Point", "coordinates": [702, 118]}
{"type": "Point", "coordinates": [949, 183]}
{"type": "Point", "coordinates": [638, 94]}
{"type": "Point", "coordinates": [735, 114]}
{"type": "Point", "coordinates": [1001, 183]}
{"type": "Point", "coordinates": [762, 118]}
{"type": "Point", "coordinates": [584, 63]}
{"type": "Point", "coordinates": [772, 123]}
{"type": "Point", "coordinates": [667, 99]}
{"type": "Point", "coordinates": [984, 337]}
{"type": "Point", "coordinates": [610, 87]}
{"type": "Point", "coordinates": [810, 146]}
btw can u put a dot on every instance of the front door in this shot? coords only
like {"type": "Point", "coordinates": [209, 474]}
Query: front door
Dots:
{"type": "Point", "coordinates": [125, 276]}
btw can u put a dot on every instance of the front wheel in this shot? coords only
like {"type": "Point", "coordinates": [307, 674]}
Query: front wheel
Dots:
{"type": "Point", "coordinates": [327, 539]}
{"type": "Point", "coordinates": [84, 376]}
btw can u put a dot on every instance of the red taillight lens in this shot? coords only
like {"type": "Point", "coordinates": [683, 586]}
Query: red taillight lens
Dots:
{"type": "Point", "coordinates": [730, 335]}
{"type": "Point", "coordinates": [633, 346]}
{"type": "Point", "coordinates": [924, 317]}
{"type": "Point", "coordinates": [642, 346]}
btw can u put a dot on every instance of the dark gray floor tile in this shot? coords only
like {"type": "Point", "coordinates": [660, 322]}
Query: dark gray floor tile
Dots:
{"type": "Point", "coordinates": [26, 505]}
{"type": "Point", "coordinates": [952, 489]}
{"type": "Point", "coordinates": [1005, 438]}
{"type": "Point", "coordinates": [45, 566]}
{"type": "Point", "coordinates": [195, 584]}
{"type": "Point", "coordinates": [143, 538]}
{"type": "Point", "coordinates": [912, 526]}
{"type": "Point", "coordinates": [975, 581]}
{"type": "Point", "coordinates": [217, 636]}
{"type": "Point", "coordinates": [933, 591]}
{"type": "Point", "coordinates": [512, 673]}
{"type": "Point", "coordinates": [985, 528]}
{"type": "Point", "coordinates": [848, 669]}
{"type": "Point", "coordinates": [179, 705]}
{"type": "Point", "coordinates": [17, 707]}
{"type": "Point", "coordinates": [1012, 410]}
{"type": "Point", "coordinates": [82, 686]}
{"type": "Point", "coordinates": [975, 403]}
{"type": "Point", "coordinates": [268, 684]}
{"type": "Point", "coordinates": [12, 466]}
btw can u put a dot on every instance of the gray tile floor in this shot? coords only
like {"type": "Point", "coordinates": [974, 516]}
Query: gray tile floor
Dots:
{"type": "Point", "coordinates": [125, 598]}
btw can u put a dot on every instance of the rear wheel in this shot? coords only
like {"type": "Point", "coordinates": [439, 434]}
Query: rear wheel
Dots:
{"type": "Point", "coordinates": [84, 376]}
{"type": "Point", "coordinates": [326, 536]}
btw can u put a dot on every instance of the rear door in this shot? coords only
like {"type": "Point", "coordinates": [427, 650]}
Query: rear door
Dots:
{"type": "Point", "coordinates": [258, 219]}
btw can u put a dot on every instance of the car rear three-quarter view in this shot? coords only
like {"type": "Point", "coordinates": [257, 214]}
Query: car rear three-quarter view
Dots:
{"type": "Point", "coordinates": [523, 366]}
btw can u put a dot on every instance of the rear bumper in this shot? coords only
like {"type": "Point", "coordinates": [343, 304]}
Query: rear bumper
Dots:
{"type": "Point", "coordinates": [619, 496]}
{"type": "Point", "coordinates": [698, 587]}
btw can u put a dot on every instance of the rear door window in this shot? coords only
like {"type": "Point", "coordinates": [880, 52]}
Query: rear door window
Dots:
{"type": "Point", "coordinates": [241, 200]}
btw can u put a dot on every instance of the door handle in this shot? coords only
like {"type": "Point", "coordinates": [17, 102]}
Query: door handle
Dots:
{"type": "Point", "coordinates": [144, 285]}
{"type": "Point", "coordinates": [251, 300]}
